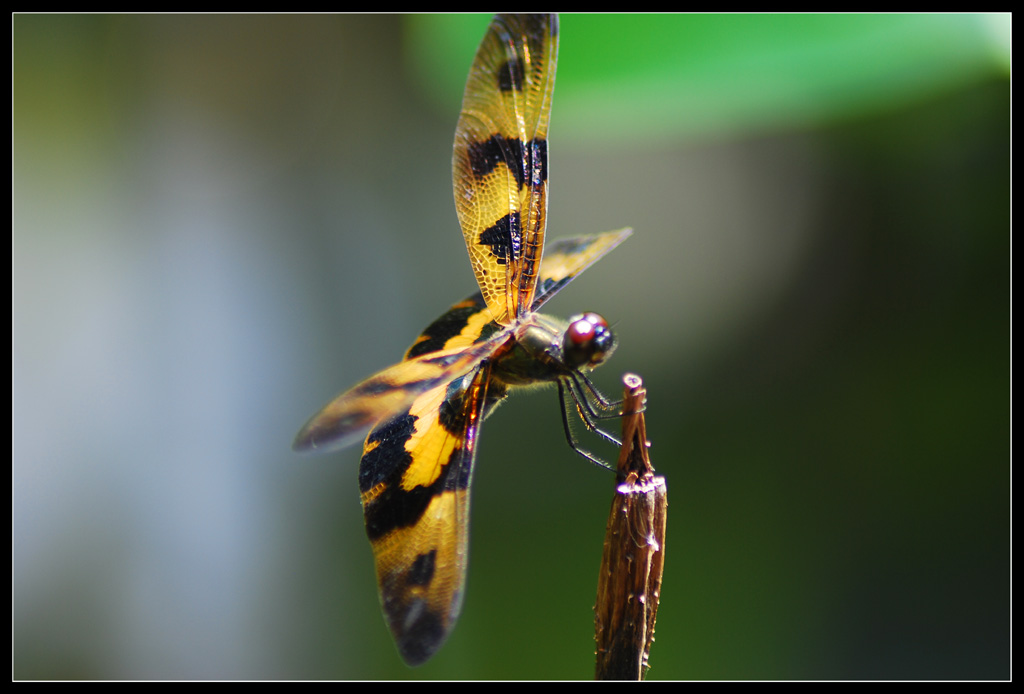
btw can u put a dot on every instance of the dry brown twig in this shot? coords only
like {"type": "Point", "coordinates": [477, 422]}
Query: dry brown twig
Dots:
{"type": "Point", "coordinates": [629, 585]}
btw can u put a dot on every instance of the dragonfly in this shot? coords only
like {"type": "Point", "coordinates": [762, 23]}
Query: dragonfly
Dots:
{"type": "Point", "coordinates": [424, 413]}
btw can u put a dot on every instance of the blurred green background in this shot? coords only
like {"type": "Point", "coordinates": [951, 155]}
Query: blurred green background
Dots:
{"type": "Point", "coordinates": [220, 222]}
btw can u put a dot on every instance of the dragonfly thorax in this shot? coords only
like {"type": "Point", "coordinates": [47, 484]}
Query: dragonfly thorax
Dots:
{"type": "Point", "coordinates": [545, 348]}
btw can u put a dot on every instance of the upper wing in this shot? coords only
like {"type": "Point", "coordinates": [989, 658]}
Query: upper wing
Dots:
{"type": "Point", "coordinates": [414, 481]}
{"type": "Point", "coordinates": [499, 167]}
{"type": "Point", "coordinates": [566, 258]}
{"type": "Point", "coordinates": [345, 419]}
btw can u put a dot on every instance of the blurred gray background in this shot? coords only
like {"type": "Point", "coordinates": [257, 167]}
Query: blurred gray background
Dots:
{"type": "Point", "coordinates": [221, 222]}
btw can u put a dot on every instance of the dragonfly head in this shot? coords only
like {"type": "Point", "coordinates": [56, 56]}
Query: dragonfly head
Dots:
{"type": "Point", "coordinates": [588, 341]}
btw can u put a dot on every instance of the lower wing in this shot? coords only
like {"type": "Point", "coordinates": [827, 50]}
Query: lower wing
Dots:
{"type": "Point", "coordinates": [414, 481]}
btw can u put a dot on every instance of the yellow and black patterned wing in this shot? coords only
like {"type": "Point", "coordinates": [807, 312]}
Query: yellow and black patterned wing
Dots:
{"type": "Point", "coordinates": [499, 166]}
{"type": "Point", "coordinates": [463, 325]}
{"type": "Point", "coordinates": [414, 481]}
{"type": "Point", "coordinates": [568, 257]}
{"type": "Point", "coordinates": [347, 418]}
